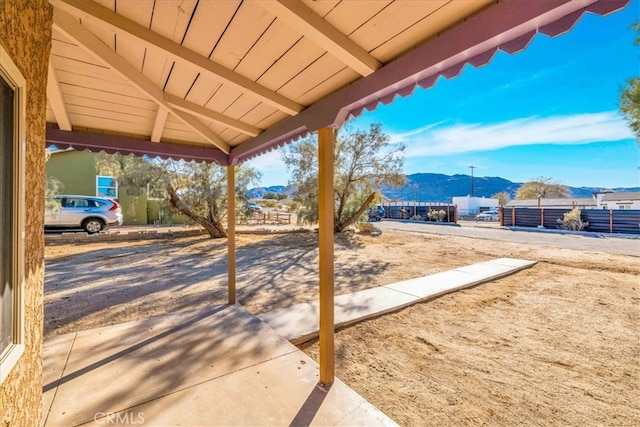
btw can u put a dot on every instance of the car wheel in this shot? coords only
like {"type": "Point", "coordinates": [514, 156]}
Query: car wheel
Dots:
{"type": "Point", "coordinates": [93, 225]}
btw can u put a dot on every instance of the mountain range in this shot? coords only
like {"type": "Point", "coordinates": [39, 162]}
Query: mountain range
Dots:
{"type": "Point", "coordinates": [433, 187]}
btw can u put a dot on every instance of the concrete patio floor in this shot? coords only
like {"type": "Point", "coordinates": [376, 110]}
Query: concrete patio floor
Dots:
{"type": "Point", "coordinates": [224, 366]}
{"type": "Point", "coordinates": [215, 366]}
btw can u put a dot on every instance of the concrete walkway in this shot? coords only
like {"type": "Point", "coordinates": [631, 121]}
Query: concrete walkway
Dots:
{"type": "Point", "coordinates": [224, 366]}
{"type": "Point", "coordinates": [213, 367]}
{"type": "Point", "coordinates": [299, 323]}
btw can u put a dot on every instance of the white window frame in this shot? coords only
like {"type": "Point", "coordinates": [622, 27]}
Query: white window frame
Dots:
{"type": "Point", "coordinates": [10, 73]}
{"type": "Point", "coordinates": [98, 186]}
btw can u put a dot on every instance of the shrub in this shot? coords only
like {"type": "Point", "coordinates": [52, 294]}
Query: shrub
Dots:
{"type": "Point", "coordinates": [293, 206]}
{"type": "Point", "coordinates": [434, 215]}
{"type": "Point", "coordinates": [368, 228]}
{"type": "Point", "coordinates": [572, 221]}
{"type": "Point", "coordinates": [417, 218]}
{"type": "Point", "coordinates": [270, 203]}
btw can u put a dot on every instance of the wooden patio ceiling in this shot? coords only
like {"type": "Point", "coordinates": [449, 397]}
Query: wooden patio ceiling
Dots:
{"type": "Point", "coordinates": [225, 81]}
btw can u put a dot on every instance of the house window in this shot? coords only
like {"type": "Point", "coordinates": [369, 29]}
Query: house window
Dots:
{"type": "Point", "coordinates": [12, 152]}
{"type": "Point", "coordinates": [106, 186]}
{"type": "Point", "coordinates": [624, 206]}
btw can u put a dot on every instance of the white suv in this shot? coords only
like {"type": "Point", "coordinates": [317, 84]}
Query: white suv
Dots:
{"type": "Point", "coordinates": [90, 213]}
{"type": "Point", "coordinates": [488, 216]}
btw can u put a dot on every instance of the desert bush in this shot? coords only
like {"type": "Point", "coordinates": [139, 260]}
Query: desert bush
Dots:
{"type": "Point", "coordinates": [572, 221]}
{"type": "Point", "coordinates": [293, 206]}
{"type": "Point", "coordinates": [368, 228]}
{"type": "Point", "coordinates": [365, 227]}
{"type": "Point", "coordinates": [270, 203]}
{"type": "Point", "coordinates": [434, 215]}
{"type": "Point", "coordinates": [274, 196]}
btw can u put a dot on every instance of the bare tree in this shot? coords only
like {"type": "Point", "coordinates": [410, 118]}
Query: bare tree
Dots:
{"type": "Point", "coordinates": [542, 187]}
{"type": "Point", "coordinates": [503, 198]}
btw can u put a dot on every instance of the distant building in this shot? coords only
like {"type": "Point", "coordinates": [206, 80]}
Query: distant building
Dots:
{"type": "Point", "coordinates": [468, 205]}
{"type": "Point", "coordinates": [568, 203]}
{"type": "Point", "coordinates": [603, 200]}
{"type": "Point", "coordinates": [77, 172]}
{"type": "Point", "coordinates": [619, 200]}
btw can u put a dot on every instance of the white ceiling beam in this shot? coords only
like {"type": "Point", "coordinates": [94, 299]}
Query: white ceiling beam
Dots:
{"type": "Point", "coordinates": [158, 125]}
{"type": "Point", "coordinates": [72, 29]}
{"type": "Point", "coordinates": [205, 113]}
{"type": "Point", "coordinates": [56, 99]}
{"type": "Point", "coordinates": [177, 52]}
{"type": "Point", "coordinates": [304, 20]}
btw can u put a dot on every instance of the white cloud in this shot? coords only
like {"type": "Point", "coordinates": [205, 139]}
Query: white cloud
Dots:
{"type": "Point", "coordinates": [438, 139]}
{"type": "Point", "coordinates": [273, 169]}
{"type": "Point", "coordinates": [405, 136]}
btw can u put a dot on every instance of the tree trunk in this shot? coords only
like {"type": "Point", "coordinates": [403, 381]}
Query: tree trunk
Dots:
{"type": "Point", "coordinates": [339, 227]}
{"type": "Point", "coordinates": [214, 228]}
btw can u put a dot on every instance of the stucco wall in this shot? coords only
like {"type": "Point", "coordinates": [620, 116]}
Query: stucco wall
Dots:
{"type": "Point", "coordinates": [134, 205]}
{"type": "Point", "coordinates": [76, 170]}
{"type": "Point", "coordinates": [25, 33]}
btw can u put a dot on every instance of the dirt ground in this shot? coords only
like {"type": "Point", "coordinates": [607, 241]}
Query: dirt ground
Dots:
{"type": "Point", "coordinates": [556, 344]}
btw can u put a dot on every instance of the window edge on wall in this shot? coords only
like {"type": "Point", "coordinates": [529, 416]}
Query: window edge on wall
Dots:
{"type": "Point", "coordinates": [98, 186]}
{"type": "Point", "coordinates": [12, 75]}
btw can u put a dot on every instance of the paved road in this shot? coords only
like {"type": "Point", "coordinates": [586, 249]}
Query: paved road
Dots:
{"type": "Point", "coordinates": [594, 242]}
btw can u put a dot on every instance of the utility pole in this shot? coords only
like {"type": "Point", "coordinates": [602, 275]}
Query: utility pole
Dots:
{"type": "Point", "coordinates": [472, 168]}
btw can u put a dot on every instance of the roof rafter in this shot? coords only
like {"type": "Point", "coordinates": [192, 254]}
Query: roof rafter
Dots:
{"type": "Point", "coordinates": [158, 125]}
{"type": "Point", "coordinates": [205, 113]}
{"type": "Point", "coordinates": [71, 28]}
{"type": "Point", "coordinates": [474, 41]}
{"type": "Point", "coordinates": [216, 71]}
{"type": "Point", "coordinates": [313, 26]}
{"type": "Point", "coordinates": [56, 99]}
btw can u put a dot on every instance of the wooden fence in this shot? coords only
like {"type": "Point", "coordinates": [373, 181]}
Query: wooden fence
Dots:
{"type": "Point", "coordinates": [600, 220]}
{"type": "Point", "coordinates": [269, 217]}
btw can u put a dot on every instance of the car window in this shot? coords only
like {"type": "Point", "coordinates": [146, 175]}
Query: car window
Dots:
{"type": "Point", "coordinates": [77, 202]}
{"type": "Point", "coordinates": [82, 203]}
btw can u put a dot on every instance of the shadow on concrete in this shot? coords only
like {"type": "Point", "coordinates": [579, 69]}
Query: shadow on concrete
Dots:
{"type": "Point", "coordinates": [310, 408]}
{"type": "Point", "coordinates": [107, 369]}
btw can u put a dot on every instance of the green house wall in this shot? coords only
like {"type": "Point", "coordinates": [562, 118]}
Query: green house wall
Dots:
{"type": "Point", "coordinates": [76, 170]}
{"type": "Point", "coordinates": [134, 205]}
{"type": "Point", "coordinates": [158, 210]}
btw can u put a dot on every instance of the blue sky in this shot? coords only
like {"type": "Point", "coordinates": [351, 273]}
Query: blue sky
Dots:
{"type": "Point", "coordinates": [550, 110]}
